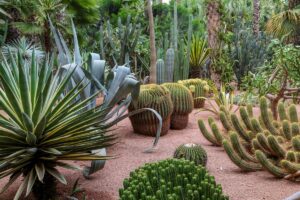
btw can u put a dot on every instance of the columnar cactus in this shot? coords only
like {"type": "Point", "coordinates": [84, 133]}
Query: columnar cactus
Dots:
{"type": "Point", "coordinates": [199, 89]}
{"type": "Point", "coordinates": [260, 143]}
{"type": "Point", "coordinates": [171, 179]}
{"type": "Point", "coordinates": [158, 98]}
{"type": "Point", "coordinates": [183, 105]}
{"type": "Point", "coordinates": [191, 152]}
{"type": "Point", "coordinates": [160, 71]}
{"type": "Point", "coordinates": [169, 64]}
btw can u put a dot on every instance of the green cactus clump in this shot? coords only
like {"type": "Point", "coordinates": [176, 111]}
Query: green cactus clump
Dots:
{"type": "Point", "coordinates": [158, 98]}
{"type": "Point", "coordinates": [199, 89]}
{"type": "Point", "coordinates": [254, 143]}
{"type": "Point", "coordinates": [192, 152]}
{"type": "Point", "coordinates": [171, 179]}
{"type": "Point", "coordinates": [183, 105]}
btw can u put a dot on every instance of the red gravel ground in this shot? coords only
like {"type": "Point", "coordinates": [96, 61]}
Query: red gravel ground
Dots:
{"type": "Point", "coordinates": [238, 185]}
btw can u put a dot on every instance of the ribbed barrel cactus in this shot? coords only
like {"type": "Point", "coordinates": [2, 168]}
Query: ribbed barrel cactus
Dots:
{"type": "Point", "coordinates": [255, 143]}
{"type": "Point", "coordinates": [171, 179]}
{"type": "Point", "coordinates": [183, 105]}
{"type": "Point", "coordinates": [199, 89]}
{"type": "Point", "coordinates": [192, 152]}
{"type": "Point", "coordinates": [158, 98]}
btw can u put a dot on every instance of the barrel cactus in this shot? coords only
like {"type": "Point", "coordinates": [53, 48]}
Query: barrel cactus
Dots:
{"type": "Point", "coordinates": [171, 179]}
{"type": "Point", "coordinates": [199, 89]}
{"type": "Point", "coordinates": [192, 152]}
{"type": "Point", "coordinates": [158, 98]}
{"type": "Point", "coordinates": [183, 105]}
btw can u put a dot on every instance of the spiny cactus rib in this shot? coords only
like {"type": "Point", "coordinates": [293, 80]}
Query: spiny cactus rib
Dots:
{"type": "Point", "coordinates": [290, 156]}
{"type": "Point", "coordinates": [160, 70]}
{"type": "Point", "coordinates": [240, 149]}
{"type": "Point", "coordinates": [263, 142]}
{"type": "Point", "coordinates": [290, 166]}
{"type": "Point", "coordinates": [286, 129]}
{"type": "Point", "coordinates": [244, 165]}
{"type": "Point", "coordinates": [249, 110]}
{"type": "Point", "coordinates": [296, 143]}
{"type": "Point", "coordinates": [191, 152]}
{"type": "Point", "coordinates": [276, 147]}
{"type": "Point", "coordinates": [293, 113]}
{"type": "Point", "coordinates": [282, 112]}
{"type": "Point", "coordinates": [266, 117]}
{"type": "Point", "coordinates": [269, 166]}
{"type": "Point", "coordinates": [256, 126]}
{"type": "Point", "coordinates": [217, 134]}
{"type": "Point", "coordinates": [245, 118]}
{"type": "Point", "coordinates": [295, 129]}
{"type": "Point", "coordinates": [225, 121]}
{"type": "Point", "coordinates": [239, 128]}
{"type": "Point", "coordinates": [206, 133]}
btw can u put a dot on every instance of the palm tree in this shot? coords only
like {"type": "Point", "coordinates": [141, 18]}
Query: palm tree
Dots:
{"type": "Point", "coordinates": [152, 43]}
{"type": "Point", "coordinates": [213, 26]}
{"type": "Point", "coordinates": [256, 16]}
{"type": "Point", "coordinates": [286, 23]}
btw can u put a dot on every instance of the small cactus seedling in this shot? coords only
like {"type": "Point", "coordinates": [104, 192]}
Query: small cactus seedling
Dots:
{"type": "Point", "coordinates": [171, 179]}
{"type": "Point", "coordinates": [191, 152]}
{"type": "Point", "coordinates": [183, 105]}
{"type": "Point", "coordinates": [158, 98]}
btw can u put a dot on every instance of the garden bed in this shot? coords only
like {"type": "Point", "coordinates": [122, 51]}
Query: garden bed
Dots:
{"type": "Point", "coordinates": [238, 185]}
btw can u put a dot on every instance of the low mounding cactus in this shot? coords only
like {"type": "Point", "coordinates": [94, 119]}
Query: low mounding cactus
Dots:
{"type": "Point", "coordinates": [260, 143]}
{"type": "Point", "coordinates": [199, 89]}
{"type": "Point", "coordinates": [158, 98]}
{"type": "Point", "coordinates": [183, 105]}
{"type": "Point", "coordinates": [171, 179]}
{"type": "Point", "coordinates": [192, 152]}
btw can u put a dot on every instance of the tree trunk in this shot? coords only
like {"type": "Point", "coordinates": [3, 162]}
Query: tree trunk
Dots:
{"type": "Point", "coordinates": [256, 16]}
{"type": "Point", "coordinates": [213, 26]}
{"type": "Point", "coordinates": [152, 43]}
{"type": "Point", "coordinates": [293, 3]}
{"type": "Point", "coordinates": [46, 190]}
{"type": "Point", "coordinates": [47, 37]}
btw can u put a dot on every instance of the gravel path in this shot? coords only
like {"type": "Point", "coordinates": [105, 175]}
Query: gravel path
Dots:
{"type": "Point", "coordinates": [238, 185]}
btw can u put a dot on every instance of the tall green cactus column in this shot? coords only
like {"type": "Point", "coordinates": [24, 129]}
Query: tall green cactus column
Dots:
{"type": "Point", "coordinates": [183, 105]}
{"type": "Point", "coordinates": [158, 98]}
{"type": "Point", "coordinates": [160, 71]}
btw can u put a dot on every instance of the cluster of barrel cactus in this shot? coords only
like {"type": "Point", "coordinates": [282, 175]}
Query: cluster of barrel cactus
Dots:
{"type": "Point", "coordinates": [199, 89]}
{"type": "Point", "coordinates": [183, 105]}
{"type": "Point", "coordinates": [158, 98]}
{"type": "Point", "coordinates": [172, 179]}
{"type": "Point", "coordinates": [256, 143]}
{"type": "Point", "coordinates": [192, 152]}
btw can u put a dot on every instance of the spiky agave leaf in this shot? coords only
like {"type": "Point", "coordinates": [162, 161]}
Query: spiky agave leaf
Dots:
{"type": "Point", "coordinates": [44, 125]}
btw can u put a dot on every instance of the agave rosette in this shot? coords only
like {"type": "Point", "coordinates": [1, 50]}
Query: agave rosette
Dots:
{"type": "Point", "coordinates": [45, 124]}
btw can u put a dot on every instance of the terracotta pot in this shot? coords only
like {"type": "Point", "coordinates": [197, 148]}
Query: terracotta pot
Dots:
{"type": "Point", "coordinates": [179, 121]}
{"type": "Point", "coordinates": [149, 128]}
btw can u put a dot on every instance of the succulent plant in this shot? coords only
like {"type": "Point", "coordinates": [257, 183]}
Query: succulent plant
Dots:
{"type": "Point", "coordinates": [160, 71]}
{"type": "Point", "coordinates": [183, 105]}
{"type": "Point", "coordinates": [171, 179]}
{"type": "Point", "coordinates": [191, 152]}
{"type": "Point", "coordinates": [199, 89]}
{"type": "Point", "coordinates": [260, 143]}
{"type": "Point", "coordinates": [158, 98]}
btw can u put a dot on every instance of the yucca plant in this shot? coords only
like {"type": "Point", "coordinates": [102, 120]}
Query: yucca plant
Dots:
{"type": "Point", "coordinates": [198, 56]}
{"type": "Point", "coordinates": [44, 125]}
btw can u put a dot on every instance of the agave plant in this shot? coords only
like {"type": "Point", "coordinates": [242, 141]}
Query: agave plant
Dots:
{"type": "Point", "coordinates": [43, 125]}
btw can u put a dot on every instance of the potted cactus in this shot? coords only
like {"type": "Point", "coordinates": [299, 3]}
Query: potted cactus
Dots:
{"type": "Point", "coordinates": [183, 105]}
{"type": "Point", "coordinates": [158, 98]}
{"type": "Point", "coordinates": [171, 179]}
{"type": "Point", "coordinates": [199, 89]}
